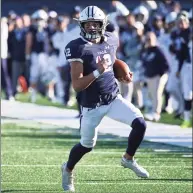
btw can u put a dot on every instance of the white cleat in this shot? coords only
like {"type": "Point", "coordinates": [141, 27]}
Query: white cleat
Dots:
{"type": "Point", "coordinates": [149, 116]}
{"type": "Point", "coordinates": [67, 179]}
{"type": "Point", "coordinates": [132, 164]}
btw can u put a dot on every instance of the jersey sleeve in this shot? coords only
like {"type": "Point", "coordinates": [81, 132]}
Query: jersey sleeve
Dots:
{"type": "Point", "coordinates": [73, 52]}
{"type": "Point", "coordinates": [112, 38]}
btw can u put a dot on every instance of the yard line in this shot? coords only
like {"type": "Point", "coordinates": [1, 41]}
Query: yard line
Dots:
{"type": "Point", "coordinates": [94, 152]}
{"type": "Point", "coordinates": [102, 183]}
{"type": "Point", "coordinates": [92, 165]}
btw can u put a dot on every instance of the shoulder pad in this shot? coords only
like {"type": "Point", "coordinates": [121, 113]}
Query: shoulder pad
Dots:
{"type": "Point", "coordinates": [111, 38]}
{"type": "Point", "coordinates": [74, 49]}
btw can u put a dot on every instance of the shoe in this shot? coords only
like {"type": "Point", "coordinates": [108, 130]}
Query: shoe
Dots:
{"type": "Point", "coordinates": [156, 117]}
{"type": "Point", "coordinates": [132, 164]}
{"type": "Point", "coordinates": [152, 116]}
{"type": "Point", "coordinates": [169, 110]}
{"type": "Point", "coordinates": [186, 124]}
{"type": "Point", "coordinates": [67, 179]}
{"type": "Point", "coordinates": [149, 116]}
{"type": "Point", "coordinates": [11, 98]}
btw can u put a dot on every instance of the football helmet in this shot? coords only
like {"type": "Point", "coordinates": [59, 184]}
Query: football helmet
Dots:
{"type": "Point", "coordinates": [40, 14]}
{"type": "Point", "coordinates": [95, 14]}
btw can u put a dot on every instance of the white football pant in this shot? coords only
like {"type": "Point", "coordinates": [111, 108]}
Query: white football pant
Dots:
{"type": "Point", "coordinates": [186, 79]}
{"type": "Point", "coordinates": [120, 109]}
{"type": "Point", "coordinates": [39, 64]}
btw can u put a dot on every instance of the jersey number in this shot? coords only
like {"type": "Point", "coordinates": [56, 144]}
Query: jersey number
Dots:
{"type": "Point", "coordinates": [107, 57]}
{"type": "Point", "coordinates": [68, 52]}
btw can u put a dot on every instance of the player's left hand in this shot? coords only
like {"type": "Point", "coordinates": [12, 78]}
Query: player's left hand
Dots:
{"type": "Point", "coordinates": [127, 79]}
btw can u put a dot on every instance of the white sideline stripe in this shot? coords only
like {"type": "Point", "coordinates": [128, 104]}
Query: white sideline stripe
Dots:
{"type": "Point", "coordinates": [105, 183]}
{"type": "Point", "coordinates": [115, 166]}
{"type": "Point", "coordinates": [94, 152]}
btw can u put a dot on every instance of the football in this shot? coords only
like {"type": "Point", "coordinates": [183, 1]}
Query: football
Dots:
{"type": "Point", "coordinates": [120, 68]}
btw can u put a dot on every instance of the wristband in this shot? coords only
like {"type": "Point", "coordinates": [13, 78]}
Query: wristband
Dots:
{"type": "Point", "coordinates": [96, 73]}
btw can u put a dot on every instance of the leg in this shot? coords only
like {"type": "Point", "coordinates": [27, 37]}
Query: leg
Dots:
{"type": "Point", "coordinates": [136, 137]}
{"type": "Point", "coordinates": [133, 117]}
{"type": "Point", "coordinates": [186, 78]}
{"type": "Point", "coordinates": [16, 66]}
{"type": "Point", "coordinates": [76, 153]}
{"type": "Point", "coordinates": [67, 83]}
{"type": "Point", "coordinates": [34, 74]}
{"type": "Point", "coordinates": [156, 87]}
{"type": "Point", "coordinates": [90, 120]}
{"type": "Point", "coordinates": [89, 129]}
{"type": "Point", "coordinates": [8, 86]}
{"type": "Point", "coordinates": [160, 89]}
{"type": "Point", "coordinates": [138, 94]}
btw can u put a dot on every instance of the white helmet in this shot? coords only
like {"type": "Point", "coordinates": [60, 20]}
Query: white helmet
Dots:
{"type": "Point", "coordinates": [92, 13]}
{"type": "Point", "coordinates": [40, 14]}
{"type": "Point", "coordinates": [171, 17]}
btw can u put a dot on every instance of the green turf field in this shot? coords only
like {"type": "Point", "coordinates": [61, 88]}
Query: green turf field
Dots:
{"type": "Point", "coordinates": [33, 153]}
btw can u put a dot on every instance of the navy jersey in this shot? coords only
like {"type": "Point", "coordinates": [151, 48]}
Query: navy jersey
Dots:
{"type": "Point", "coordinates": [39, 38]}
{"type": "Point", "coordinates": [180, 46]}
{"type": "Point", "coordinates": [104, 89]}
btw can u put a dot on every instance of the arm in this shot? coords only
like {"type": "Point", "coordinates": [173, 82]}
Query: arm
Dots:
{"type": "Point", "coordinates": [28, 45]}
{"type": "Point", "coordinates": [80, 82]}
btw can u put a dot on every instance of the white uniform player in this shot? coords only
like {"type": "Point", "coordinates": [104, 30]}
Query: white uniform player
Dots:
{"type": "Point", "coordinates": [173, 85]}
{"type": "Point", "coordinates": [184, 54]}
{"type": "Point", "coordinates": [37, 47]}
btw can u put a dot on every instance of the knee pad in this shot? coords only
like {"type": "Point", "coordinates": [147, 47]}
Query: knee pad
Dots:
{"type": "Point", "coordinates": [139, 123]}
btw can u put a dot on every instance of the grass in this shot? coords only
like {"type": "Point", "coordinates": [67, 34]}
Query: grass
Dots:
{"type": "Point", "coordinates": [33, 153]}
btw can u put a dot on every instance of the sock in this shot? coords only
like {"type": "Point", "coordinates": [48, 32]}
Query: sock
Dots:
{"type": "Point", "coordinates": [187, 104]}
{"type": "Point", "coordinates": [187, 115]}
{"type": "Point", "coordinates": [136, 136]}
{"type": "Point", "coordinates": [76, 154]}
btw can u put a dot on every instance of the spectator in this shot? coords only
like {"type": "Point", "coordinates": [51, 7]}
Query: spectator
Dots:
{"type": "Point", "coordinates": [184, 72]}
{"type": "Point", "coordinates": [37, 49]}
{"type": "Point", "coordinates": [157, 25]}
{"type": "Point", "coordinates": [173, 84]}
{"type": "Point", "coordinates": [132, 51]}
{"type": "Point", "coordinates": [17, 50]}
{"type": "Point", "coordinates": [156, 68]}
{"type": "Point", "coordinates": [6, 79]}
{"type": "Point", "coordinates": [60, 39]}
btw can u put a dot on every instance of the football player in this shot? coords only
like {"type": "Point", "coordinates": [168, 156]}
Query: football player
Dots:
{"type": "Point", "coordinates": [92, 57]}
{"type": "Point", "coordinates": [184, 73]}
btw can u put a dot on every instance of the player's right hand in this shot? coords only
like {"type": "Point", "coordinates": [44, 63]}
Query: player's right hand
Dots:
{"type": "Point", "coordinates": [102, 65]}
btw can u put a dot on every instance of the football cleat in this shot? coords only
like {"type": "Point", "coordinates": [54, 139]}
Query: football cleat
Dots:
{"type": "Point", "coordinates": [67, 179]}
{"type": "Point", "coordinates": [132, 164]}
